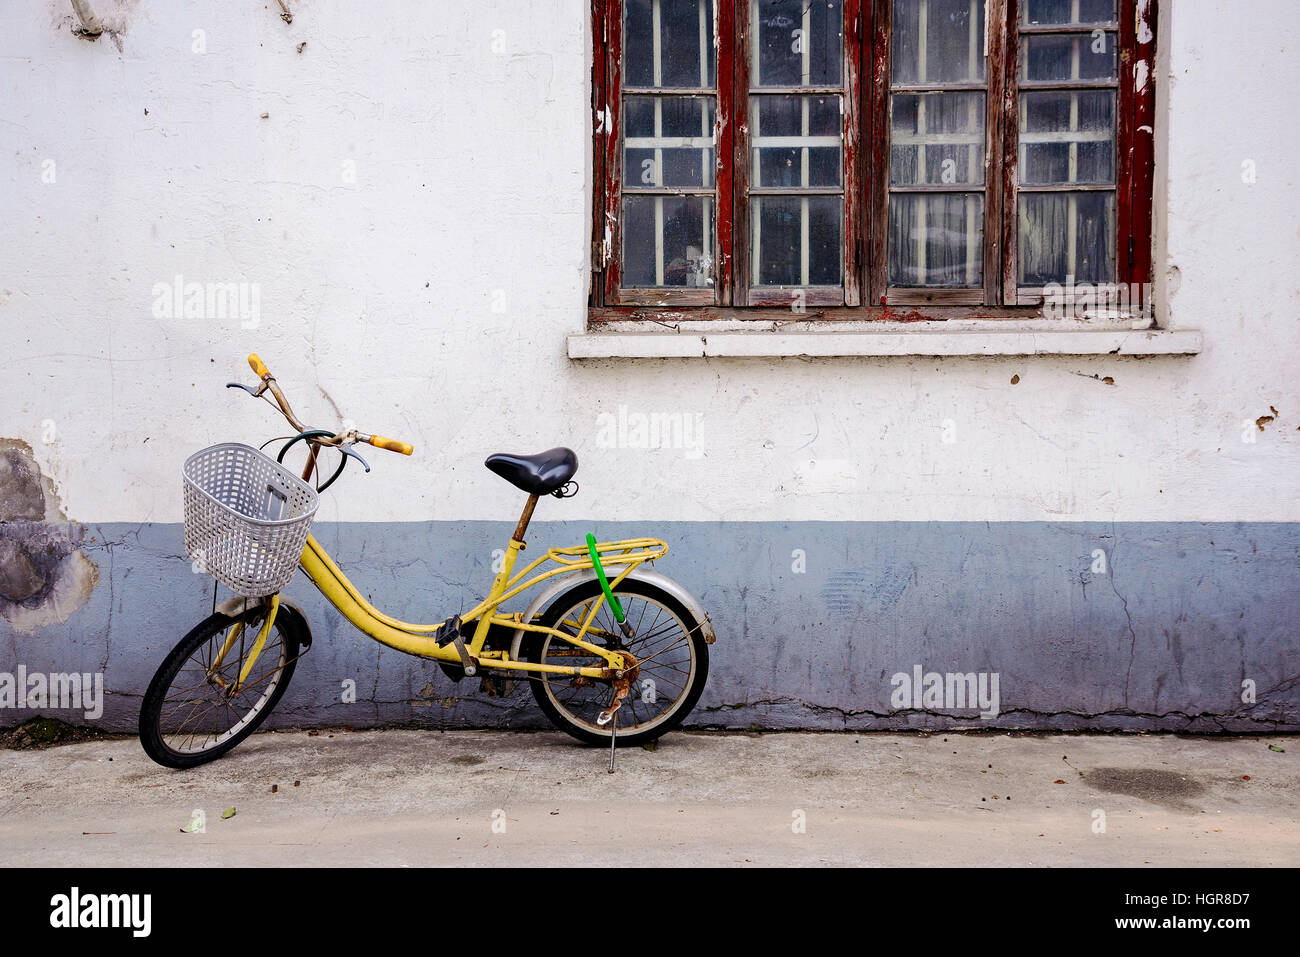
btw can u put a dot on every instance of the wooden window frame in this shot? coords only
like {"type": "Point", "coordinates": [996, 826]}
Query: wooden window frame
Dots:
{"type": "Point", "coordinates": [608, 103]}
{"type": "Point", "coordinates": [883, 88]}
{"type": "Point", "coordinates": [866, 293]}
{"type": "Point", "coordinates": [848, 293]}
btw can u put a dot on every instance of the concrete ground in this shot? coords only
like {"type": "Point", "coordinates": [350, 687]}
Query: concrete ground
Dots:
{"type": "Point", "coordinates": [494, 798]}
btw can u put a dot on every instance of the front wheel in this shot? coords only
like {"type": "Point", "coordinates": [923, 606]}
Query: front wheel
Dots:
{"type": "Point", "coordinates": [191, 713]}
{"type": "Point", "coordinates": [668, 644]}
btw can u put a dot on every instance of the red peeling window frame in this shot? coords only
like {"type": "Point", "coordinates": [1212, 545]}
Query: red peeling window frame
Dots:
{"type": "Point", "coordinates": [866, 292]}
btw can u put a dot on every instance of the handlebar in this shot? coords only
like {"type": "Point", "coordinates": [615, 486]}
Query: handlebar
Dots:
{"type": "Point", "coordinates": [268, 383]}
{"type": "Point", "coordinates": [379, 442]}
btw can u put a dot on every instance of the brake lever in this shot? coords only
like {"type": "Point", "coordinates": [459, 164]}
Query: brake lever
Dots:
{"type": "Point", "coordinates": [255, 393]}
{"type": "Point", "coordinates": [347, 451]}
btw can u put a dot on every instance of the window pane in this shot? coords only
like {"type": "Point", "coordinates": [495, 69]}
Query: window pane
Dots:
{"type": "Point", "coordinates": [938, 41]}
{"type": "Point", "coordinates": [668, 241]}
{"type": "Point", "coordinates": [668, 43]}
{"type": "Point", "coordinates": [1058, 12]}
{"type": "Point", "coordinates": [936, 239]}
{"type": "Point", "coordinates": [1076, 57]}
{"type": "Point", "coordinates": [668, 141]}
{"type": "Point", "coordinates": [1067, 237]}
{"type": "Point", "coordinates": [796, 141]}
{"type": "Point", "coordinates": [936, 138]}
{"type": "Point", "coordinates": [797, 240]}
{"type": "Point", "coordinates": [797, 42]}
{"type": "Point", "coordinates": [1067, 137]}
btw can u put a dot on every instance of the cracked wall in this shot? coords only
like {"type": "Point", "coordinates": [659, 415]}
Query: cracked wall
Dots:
{"type": "Point", "coordinates": [1192, 613]}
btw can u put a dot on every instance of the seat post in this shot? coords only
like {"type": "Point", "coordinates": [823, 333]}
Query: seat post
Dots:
{"type": "Point", "coordinates": [525, 518]}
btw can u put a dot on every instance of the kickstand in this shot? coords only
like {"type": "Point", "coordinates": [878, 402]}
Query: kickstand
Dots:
{"type": "Point", "coordinates": [610, 714]}
{"type": "Point", "coordinates": [613, 739]}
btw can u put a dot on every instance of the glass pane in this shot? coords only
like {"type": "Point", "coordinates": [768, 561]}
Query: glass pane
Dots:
{"type": "Point", "coordinates": [797, 42]}
{"type": "Point", "coordinates": [936, 138]}
{"type": "Point", "coordinates": [1056, 12]}
{"type": "Point", "coordinates": [936, 239]}
{"type": "Point", "coordinates": [938, 41]}
{"type": "Point", "coordinates": [668, 241]}
{"type": "Point", "coordinates": [1067, 137]}
{"type": "Point", "coordinates": [1067, 237]}
{"type": "Point", "coordinates": [1049, 57]}
{"type": "Point", "coordinates": [796, 141]}
{"type": "Point", "coordinates": [797, 240]}
{"type": "Point", "coordinates": [668, 141]}
{"type": "Point", "coordinates": [668, 43]}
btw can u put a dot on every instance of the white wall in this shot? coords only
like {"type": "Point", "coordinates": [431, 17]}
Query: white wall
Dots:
{"type": "Point", "coordinates": [473, 181]}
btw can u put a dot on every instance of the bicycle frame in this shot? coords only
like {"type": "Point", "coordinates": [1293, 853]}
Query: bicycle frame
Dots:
{"type": "Point", "coordinates": [415, 639]}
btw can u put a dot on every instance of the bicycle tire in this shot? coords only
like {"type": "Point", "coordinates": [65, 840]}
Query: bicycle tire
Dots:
{"type": "Point", "coordinates": [153, 735]}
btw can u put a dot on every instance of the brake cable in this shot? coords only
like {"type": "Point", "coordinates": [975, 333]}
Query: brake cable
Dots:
{"type": "Point", "coordinates": [343, 456]}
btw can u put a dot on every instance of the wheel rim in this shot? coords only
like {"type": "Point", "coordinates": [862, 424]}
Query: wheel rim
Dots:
{"type": "Point", "coordinates": [662, 646]}
{"type": "Point", "coordinates": [196, 714]}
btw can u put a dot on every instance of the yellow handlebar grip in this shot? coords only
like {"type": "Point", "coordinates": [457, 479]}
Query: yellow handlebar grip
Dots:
{"type": "Point", "coordinates": [258, 366]}
{"type": "Point", "coordinates": [379, 442]}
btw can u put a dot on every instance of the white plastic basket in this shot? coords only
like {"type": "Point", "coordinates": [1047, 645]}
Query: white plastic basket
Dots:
{"type": "Point", "coordinates": [246, 518]}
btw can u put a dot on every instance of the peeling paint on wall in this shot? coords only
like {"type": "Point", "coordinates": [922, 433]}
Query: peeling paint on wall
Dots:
{"type": "Point", "coordinates": [44, 576]}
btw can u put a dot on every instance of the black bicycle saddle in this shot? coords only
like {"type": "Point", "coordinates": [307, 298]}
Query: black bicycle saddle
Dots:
{"type": "Point", "coordinates": [539, 474]}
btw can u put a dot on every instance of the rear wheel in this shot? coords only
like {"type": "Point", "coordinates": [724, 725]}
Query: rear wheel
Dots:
{"type": "Point", "coordinates": [668, 645]}
{"type": "Point", "coordinates": [190, 715]}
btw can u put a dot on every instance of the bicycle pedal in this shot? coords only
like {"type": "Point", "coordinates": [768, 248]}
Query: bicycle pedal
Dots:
{"type": "Point", "coordinates": [447, 632]}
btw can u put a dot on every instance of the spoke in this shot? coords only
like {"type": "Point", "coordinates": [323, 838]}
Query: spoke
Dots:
{"type": "Point", "coordinates": [668, 632]}
{"type": "Point", "coordinates": [668, 676]}
{"type": "Point", "coordinates": [185, 691]}
{"type": "Point", "coordinates": [180, 728]}
{"type": "Point", "coordinates": [632, 701]}
{"type": "Point", "coordinates": [662, 650]}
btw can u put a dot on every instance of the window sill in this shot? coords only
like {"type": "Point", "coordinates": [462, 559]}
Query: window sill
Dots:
{"type": "Point", "coordinates": [668, 344]}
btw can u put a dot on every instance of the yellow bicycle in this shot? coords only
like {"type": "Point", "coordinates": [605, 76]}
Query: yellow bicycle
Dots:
{"type": "Point", "coordinates": [605, 641]}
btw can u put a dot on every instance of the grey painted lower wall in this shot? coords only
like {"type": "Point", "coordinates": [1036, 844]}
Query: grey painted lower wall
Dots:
{"type": "Point", "coordinates": [1182, 622]}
